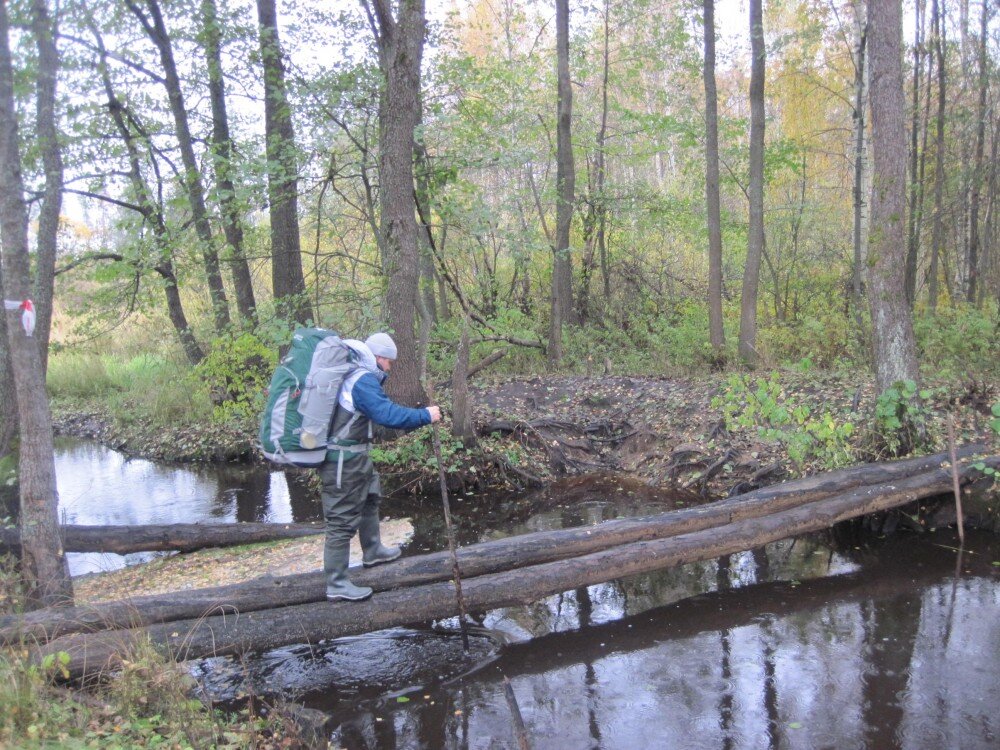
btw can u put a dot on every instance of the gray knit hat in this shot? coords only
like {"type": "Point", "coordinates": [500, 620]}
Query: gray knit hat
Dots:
{"type": "Point", "coordinates": [381, 345]}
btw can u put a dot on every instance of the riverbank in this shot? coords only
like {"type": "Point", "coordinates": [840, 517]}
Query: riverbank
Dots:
{"type": "Point", "coordinates": [715, 435]}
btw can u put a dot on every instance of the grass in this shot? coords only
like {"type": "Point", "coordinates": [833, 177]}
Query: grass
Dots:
{"type": "Point", "coordinates": [149, 702]}
{"type": "Point", "coordinates": [145, 387]}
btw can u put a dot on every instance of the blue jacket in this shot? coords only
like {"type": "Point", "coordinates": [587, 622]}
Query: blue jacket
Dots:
{"type": "Point", "coordinates": [370, 400]}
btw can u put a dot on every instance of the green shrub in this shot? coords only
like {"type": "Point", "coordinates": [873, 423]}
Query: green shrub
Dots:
{"type": "Point", "coordinates": [148, 704]}
{"type": "Point", "coordinates": [823, 340]}
{"type": "Point", "coordinates": [902, 418]}
{"type": "Point", "coordinates": [28, 713]}
{"type": "Point", "coordinates": [236, 372]}
{"type": "Point", "coordinates": [762, 404]}
{"type": "Point", "coordinates": [957, 341]}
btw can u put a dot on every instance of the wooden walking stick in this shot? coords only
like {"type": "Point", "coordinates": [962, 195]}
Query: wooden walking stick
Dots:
{"type": "Point", "coordinates": [436, 436]}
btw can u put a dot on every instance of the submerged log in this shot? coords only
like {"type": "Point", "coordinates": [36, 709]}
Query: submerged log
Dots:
{"type": "Point", "coordinates": [478, 559]}
{"type": "Point", "coordinates": [173, 537]}
{"type": "Point", "coordinates": [234, 633]}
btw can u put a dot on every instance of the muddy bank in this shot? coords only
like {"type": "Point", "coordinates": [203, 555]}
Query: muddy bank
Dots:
{"type": "Point", "coordinates": [211, 442]}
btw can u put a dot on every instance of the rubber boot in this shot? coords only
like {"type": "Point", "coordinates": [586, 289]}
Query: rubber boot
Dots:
{"type": "Point", "coordinates": [338, 585]}
{"type": "Point", "coordinates": [373, 551]}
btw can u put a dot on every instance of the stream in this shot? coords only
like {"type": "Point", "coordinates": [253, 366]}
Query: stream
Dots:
{"type": "Point", "coordinates": [832, 640]}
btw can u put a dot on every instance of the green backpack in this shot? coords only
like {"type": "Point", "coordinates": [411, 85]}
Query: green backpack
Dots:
{"type": "Point", "coordinates": [302, 397]}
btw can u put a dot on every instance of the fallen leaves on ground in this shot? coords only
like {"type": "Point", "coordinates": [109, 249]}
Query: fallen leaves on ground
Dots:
{"type": "Point", "coordinates": [221, 566]}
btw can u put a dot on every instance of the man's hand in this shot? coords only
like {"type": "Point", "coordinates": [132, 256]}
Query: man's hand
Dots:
{"type": "Point", "coordinates": [435, 412]}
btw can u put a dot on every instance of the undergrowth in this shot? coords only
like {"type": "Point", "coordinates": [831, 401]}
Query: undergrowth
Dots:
{"type": "Point", "coordinates": [148, 702]}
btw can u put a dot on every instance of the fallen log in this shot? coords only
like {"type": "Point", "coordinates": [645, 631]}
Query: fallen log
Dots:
{"type": "Point", "coordinates": [234, 633]}
{"type": "Point", "coordinates": [474, 560]}
{"type": "Point", "coordinates": [176, 537]}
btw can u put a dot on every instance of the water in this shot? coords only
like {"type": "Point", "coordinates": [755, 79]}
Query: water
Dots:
{"type": "Point", "coordinates": [828, 641]}
{"type": "Point", "coordinates": [98, 486]}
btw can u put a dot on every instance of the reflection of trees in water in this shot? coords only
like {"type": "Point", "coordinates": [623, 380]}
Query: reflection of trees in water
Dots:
{"type": "Point", "coordinates": [766, 665]}
{"type": "Point", "coordinates": [303, 497]}
{"type": "Point", "coordinates": [890, 627]}
{"type": "Point", "coordinates": [245, 494]}
{"type": "Point", "coordinates": [242, 492]}
{"type": "Point", "coordinates": [723, 583]}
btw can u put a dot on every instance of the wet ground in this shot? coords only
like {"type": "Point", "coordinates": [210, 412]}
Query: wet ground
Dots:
{"type": "Point", "coordinates": [837, 640]}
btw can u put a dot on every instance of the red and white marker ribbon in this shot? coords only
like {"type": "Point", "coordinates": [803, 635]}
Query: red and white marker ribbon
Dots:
{"type": "Point", "coordinates": [27, 308]}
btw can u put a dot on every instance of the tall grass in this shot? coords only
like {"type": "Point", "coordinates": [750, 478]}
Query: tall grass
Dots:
{"type": "Point", "coordinates": [78, 376]}
{"type": "Point", "coordinates": [145, 387]}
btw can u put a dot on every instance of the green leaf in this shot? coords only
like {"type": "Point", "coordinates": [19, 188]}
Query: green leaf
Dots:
{"type": "Point", "coordinates": [402, 699]}
{"type": "Point", "coordinates": [795, 725]}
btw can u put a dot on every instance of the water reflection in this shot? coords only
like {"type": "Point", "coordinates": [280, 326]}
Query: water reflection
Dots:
{"type": "Point", "coordinates": [100, 486]}
{"type": "Point", "coordinates": [797, 645]}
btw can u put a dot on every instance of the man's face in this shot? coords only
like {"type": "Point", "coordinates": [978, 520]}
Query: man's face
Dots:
{"type": "Point", "coordinates": [384, 363]}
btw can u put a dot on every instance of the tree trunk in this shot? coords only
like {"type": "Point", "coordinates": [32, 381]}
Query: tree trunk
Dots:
{"type": "Point", "coordinates": [155, 29]}
{"type": "Point", "coordinates": [990, 255]}
{"type": "Point", "coordinates": [937, 235]}
{"type": "Point", "coordinates": [151, 211]}
{"type": "Point", "coordinates": [174, 537]}
{"type": "Point", "coordinates": [400, 41]}
{"type": "Point", "coordinates": [44, 29]}
{"type": "Point", "coordinates": [287, 278]}
{"type": "Point", "coordinates": [977, 168]}
{"type": "Point", "coordinates": [426, 304]}
{"type": "Point", "coordinates": [222, 159]}
{"type": "Point", "coordinates": [755, 240]}
{"type": "Point", "coordinates": [461, 426]}
{"type": "Point", "coordinates": [860, 128]}
{"type": "Point", "coordinates": [596, 220]}
{"type": "Point", "coordinates": [913, 230]}
{"type": "Point", "coordinates": [717, 334]}
{"type": "Point", "coordinates": [43, 564]}
{"type": "Point", "coordinates": [8, 399]}
{"type": "Point", "coordinates": [478, 559]}
{"type": "Point", "coordinates": [562, 265]}
{"type": "Point", "coordinates": [895, 349]}
{"type": "Point", "coordinates": [225, 634]}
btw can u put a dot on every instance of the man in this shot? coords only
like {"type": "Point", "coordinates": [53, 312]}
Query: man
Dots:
{"type": "Point", "coordinates": [351, 487]}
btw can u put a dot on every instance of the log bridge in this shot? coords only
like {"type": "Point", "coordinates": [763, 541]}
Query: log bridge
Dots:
{"type": "Point", "coordinates": [271, 612]}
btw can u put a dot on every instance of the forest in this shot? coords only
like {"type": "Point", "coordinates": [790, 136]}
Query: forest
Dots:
{"type": "Point", "coordinates": [753, 199]}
